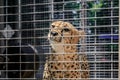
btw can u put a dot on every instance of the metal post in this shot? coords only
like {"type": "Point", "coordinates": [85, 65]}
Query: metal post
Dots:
{"type": "Point", "coordinates": [1, 27]}
{"type": "Point", "coordinates": [83, 14]}
{"type": "Point", "coordinates": [2, 41]}
{"type": "Point", "coordinates": [19, 32]}
{"type": "Point", "coordinates": [119, 45]}
{"type": "Point", "coordinates": [83, 21]}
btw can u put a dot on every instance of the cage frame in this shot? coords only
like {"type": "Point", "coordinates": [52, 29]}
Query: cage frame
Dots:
{"type": "Point", "coordinates": [51, 19]}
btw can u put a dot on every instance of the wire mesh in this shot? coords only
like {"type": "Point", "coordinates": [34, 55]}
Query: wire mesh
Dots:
{"type": "Point", "coordinates": [24, 26]}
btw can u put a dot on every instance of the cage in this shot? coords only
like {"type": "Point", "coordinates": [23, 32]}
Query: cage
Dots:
{"type": "Point", "coordinates": [25, 24]}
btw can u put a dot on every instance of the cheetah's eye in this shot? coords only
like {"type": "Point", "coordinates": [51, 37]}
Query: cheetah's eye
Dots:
{"type": "Point", "coordinates": [66, 29]}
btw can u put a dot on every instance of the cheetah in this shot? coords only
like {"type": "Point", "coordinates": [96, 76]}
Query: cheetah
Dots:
{"type": "Point", "coordinates": [64, 63]}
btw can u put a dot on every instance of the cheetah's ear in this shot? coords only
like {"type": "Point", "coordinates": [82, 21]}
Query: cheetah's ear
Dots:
{"type": "Point", "coordinates": [74, 36]}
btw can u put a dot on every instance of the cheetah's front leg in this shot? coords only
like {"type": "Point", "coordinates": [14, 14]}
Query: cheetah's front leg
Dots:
{"type": "Point", "coordinates": [46, 73]}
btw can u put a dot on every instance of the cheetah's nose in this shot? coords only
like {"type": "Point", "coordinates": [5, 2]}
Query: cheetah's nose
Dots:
{"type": "Point", "coordinates": [54, 33]}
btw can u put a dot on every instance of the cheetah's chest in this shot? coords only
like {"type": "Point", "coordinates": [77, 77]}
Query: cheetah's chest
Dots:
{"type": "Point", "coordinates": [62, 65]}
{"type": "Point", "coordinates": [58, 47]}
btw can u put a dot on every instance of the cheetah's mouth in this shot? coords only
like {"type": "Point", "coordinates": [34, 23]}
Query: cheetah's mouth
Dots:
{"type": "Point", "coordinates": [56, 38]}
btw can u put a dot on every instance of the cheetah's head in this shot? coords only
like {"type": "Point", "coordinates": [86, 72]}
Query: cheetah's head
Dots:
{"type": "Point", "coordinates": [64, 32]}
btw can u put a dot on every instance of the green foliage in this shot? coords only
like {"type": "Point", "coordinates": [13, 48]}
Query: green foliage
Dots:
{"type": "Point", "coordinates": [96, 6]}
{"type": "Point", "coordinates": [114, 47]}
{"type": "Point", "coordinates": [115, 3]}
{"type": "Point", "coordinates": [72, 5]}
{"type": "Point", "coordinates": [101, 8]}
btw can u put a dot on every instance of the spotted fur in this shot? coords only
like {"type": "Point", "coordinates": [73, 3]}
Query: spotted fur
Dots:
{"type": "Point", "coordinates": [64, 63]}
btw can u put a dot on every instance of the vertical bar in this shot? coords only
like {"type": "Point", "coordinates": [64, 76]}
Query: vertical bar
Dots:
{"type": "Point", "coordinates": [119, 45]}
{"type": "Point", "coordinates": [6, 41]}
{"type": "Point", "coordinates": [34, 43]}
{"type": "Point", "coordinates": [1, 26]}
{"type": "Point", "coordinates": [82, 13]}
{"type": "Point", "coordinates": [112, 40]}
{"type": "Point", "coordinates": [95, 49]}
{"type": "Point", "coordinates": [52, 9]}
{"type": "Point", "coordinates": [83, 20]}
{"type": "Point", "coordinates": [19, 32]}
{"type": "Point", "coordinates": [19, 21]}
{"type": "Point", "coordinates": [2, 42]}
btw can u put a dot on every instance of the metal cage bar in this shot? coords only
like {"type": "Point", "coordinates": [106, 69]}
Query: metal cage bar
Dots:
{"type": "Point", "coordinates": [119, 42]}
